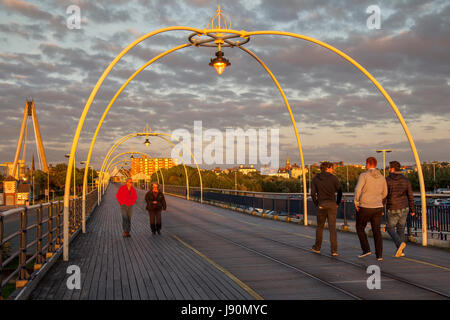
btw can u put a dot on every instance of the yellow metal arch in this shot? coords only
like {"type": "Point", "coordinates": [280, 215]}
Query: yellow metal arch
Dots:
{"type": "Point", "coordinates": [111, 165]}
{"type": "Point", "coordinates": [389, 100]}
{"type": "Point", "coordinates": [305, 192]}
{"type": "Point", "coordinates": [119, 161]}
{"type": "Point", "coordinates": [147, 64]}
{"type": "Point", "coordinates": [162, 136]}
{"type": "Point", "coordinates": [94, 138]}
{"type": "Point", "coordinates": [243, 34]}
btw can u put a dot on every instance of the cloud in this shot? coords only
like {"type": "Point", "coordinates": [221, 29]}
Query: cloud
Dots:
{"type": "Point", "coordinates": [27, 9]}
{"type": "Point", "coordinates": [332, 102]}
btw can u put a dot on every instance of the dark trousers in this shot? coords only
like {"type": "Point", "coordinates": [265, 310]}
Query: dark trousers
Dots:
{"type": "Point", "coordinates": [326, 212]}
{"type": "Point", "coordinates": [155, 220]}
{"type": "Point", "coordinates": [362, 218]}
{"type": "Point", "coordinates": [127, 212]}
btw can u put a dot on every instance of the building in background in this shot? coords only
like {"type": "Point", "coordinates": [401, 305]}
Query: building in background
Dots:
{"type": "Point", "coordinates": [23, 194]}
{"type": "Point", "coordinates": [246, 170]}
{"type": "Point", "coordinates": [297, 172]}
{"type": "Point", "coordinates": [9, 190]}
{"type": "Point", "coordinates": [289, 171]}
{"type": "Point", "coordinates": [149, 166]}
{"type": "Point", "coordinates": [15, 192]}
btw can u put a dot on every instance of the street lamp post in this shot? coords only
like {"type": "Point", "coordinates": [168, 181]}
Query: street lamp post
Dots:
{"type": "Point", "coordinates": [309, 172]}
{"type": "Point", "coordinates": [348, 185]}
{"type": "Point", "coordinates": [434, 163]}
{"type": "Point", "coordinates": [384, 159]}
{"type": "Point", "coordinates": [48, 185]}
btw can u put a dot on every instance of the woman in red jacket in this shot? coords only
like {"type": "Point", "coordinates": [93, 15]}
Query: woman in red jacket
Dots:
{"type": "Point", "coordinates": [155, 203]}
{"type": "Point", "coordinates": [126, 196]}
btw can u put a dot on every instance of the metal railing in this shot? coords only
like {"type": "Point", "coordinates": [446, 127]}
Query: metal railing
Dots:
{"type": "Point", "coordinates": [291, 205]}
{"type": "Point", "coordinates": [31, 235]}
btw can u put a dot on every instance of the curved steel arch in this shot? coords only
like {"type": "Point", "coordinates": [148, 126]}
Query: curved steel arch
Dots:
{"type": "Point", "coordinates": [162, 136]}
{"type": "Point", "coordinates": [94, 138]}
{"type": "Point", "coordinates": [243, 34]}
{"type": "Point", "coordinates": [119, 161]}
{"type": "Point", "coordinates": [147, 64]}
{"type": "Point", "coordinates": [389, 100]}
{"type": "Point", "coordinates": [111, 164]}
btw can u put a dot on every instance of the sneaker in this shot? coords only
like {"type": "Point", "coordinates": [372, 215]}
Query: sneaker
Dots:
{"type": "Point", "coordinates": [400, 250]}
{"type": "Point", "coordinates": [334, 254]}
{"type": "Point", "coordinates": [159, 232]}
{"type": "Point", "coordinates": [365, 254]}
{"type": "Point", "coordinates": [402, 255]}
{"type": "Point", "coordinates": [380, 259]}
{"type": "Point", "coordinates": [315, 250]}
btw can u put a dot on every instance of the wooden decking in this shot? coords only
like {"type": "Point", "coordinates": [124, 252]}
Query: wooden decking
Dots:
{"type": "Point", "coordinates": [143, 266]}
{"type": "Point", "coordinates": [206, 252]}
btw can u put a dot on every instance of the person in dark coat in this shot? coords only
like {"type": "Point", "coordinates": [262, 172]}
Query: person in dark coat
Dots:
{"type": "Point", "coordinates": [155, 204]}
{"type": "Point", "coordinates": [325, 187]}
{"type": "Point", "coordinates": [400, 202]}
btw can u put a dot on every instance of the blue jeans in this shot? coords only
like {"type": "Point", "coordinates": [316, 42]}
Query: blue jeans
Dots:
{"type": "Point", "coordinates": [396, 224]}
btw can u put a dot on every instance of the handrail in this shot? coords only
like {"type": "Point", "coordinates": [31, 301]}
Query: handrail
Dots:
{"type": "Point", "coordinates": [416, 194]}
{"type": "Point", "coordinates": [38, 236]}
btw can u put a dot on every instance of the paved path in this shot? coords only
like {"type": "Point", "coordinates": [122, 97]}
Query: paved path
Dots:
{"type": "Point", "coordinates": [206, 252]}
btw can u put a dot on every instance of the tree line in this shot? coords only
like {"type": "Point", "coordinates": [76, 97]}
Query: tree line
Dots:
{"type": "Point", "coordinates": [57, 176]}
{"type": "Point", "coordinates": [347, 175]}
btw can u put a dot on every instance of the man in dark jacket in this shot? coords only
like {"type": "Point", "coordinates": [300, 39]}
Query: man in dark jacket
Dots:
{"type": "Point", "coordinates": [323, 193]}
{"type": "Point", "coordinates": [155, 203]}
{"type": "Point", "coordinates": [399, 201]}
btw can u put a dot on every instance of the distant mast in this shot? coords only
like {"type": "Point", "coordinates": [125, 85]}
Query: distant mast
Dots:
{"type": "Point", "coordinates": [29, 111]}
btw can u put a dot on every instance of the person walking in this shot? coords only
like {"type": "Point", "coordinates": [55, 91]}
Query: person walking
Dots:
{"type": "Point", "coordinates": [126, 196]}
{"type": "Point", "coordinates": [324, 187]}
{"type": "Point", "coordinates": [399, 202]}
{"type": "Point", "coordinates": [370, 192]}
{"type": "Point", "coordinates": [155, 203]}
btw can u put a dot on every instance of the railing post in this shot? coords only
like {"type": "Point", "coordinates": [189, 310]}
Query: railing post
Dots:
{"type": "Point", "coordinates": [345, 211]}
{"type": "Point", "coordinates": [58, 225]}
{"type": "Point", "coordinates": [50, 231]}
{"type": "Point", "coordinates": [83, 215]}
{"type": "Point", "coordinates": [263, 203]}
{"type": "Point", "coordinates": [1, 256]}
{"type": "Point", "coordinates": [71, 217]}
{"type": "Point", "coordinates": [21, 281]}
{"type": "Point", "coordinates": [39, 256]}
{"type": "Point", "coordinates": [289, 204]}
{"type": "Point", "coordinates": [274, 203]}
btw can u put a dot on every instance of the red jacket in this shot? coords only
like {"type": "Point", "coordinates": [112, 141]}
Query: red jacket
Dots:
{"type": "Point", "coordinates": [126, 197]}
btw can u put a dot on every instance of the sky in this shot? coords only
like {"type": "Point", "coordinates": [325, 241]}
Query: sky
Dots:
{"type": "Point", "coordinates": [340, 114]}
